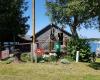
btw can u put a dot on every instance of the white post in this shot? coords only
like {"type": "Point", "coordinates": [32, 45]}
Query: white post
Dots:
{"type": "Point", "coordinates": [77, 56]}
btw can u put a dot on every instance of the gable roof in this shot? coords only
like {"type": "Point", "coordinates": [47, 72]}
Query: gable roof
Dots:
{"type": "Point", "coordinates": [49, 27]}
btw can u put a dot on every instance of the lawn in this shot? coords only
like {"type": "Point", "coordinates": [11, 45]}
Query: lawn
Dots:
{"type": "Point", "coordinates": [48, 71]}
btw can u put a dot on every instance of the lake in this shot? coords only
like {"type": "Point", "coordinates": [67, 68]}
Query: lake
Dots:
{"type": "Point", "coordinates": [94, 45]}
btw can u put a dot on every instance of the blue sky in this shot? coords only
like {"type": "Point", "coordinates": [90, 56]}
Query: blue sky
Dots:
{"type": "Point", "coordinates": [42, 20]}
{"type": "Point", "coordinates": [40, 15]}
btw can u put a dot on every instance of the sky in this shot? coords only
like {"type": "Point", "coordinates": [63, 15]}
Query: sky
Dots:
{"type": "Point", "coordinates": [41, 20]}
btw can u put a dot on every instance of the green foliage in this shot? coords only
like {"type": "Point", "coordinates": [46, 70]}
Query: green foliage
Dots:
{"type": "Point", "coordinates": [39, 59]}
{"type": "Point", "coordinates": [80, 45]}
{"type": "Point", "coordinates": [25, 57]}
{"type": "Point", "coordinates": [69, 58]}
{"type": "Point", "coordinates": [12, 20]}
{"type": "Point", "coordinates": [7, 61]}
{"type": "Point", "coordinates": [95, 65]}
{"type": "Point", "coordinates": [62, 11]}
{"type": "Point", "coordinates": [51, 58]}
{"type": "Point", "coordinates": [74, 13]}
{"type": "Point", "coordinates": [46, 59]}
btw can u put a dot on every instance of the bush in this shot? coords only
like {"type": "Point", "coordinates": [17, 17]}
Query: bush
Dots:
{"type": "Point", "coordinates": [46, 59]}
{"type": "Point", "coordinates": [69, 58]}
{"type": "Point", "coordinates": [50, 57]}
{"type": "Point", "coordinates": [53, 58]}
{"type": "Point", "coordinates": [25, 57]}
{"type": "Point", "coordinates": [8, 61]}
{"type": "Point", "coordinates": [80, 45]}
{"type": "Point", "coordinates": [39, 59]}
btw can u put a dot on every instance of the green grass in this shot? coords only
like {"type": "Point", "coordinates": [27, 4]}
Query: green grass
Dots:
{"type": "Point", "coordinates": [48, 71]}
{"type": "Point", "coordinates": [97, 59]}
{"type": "Point", "coordinates": [95, 65]}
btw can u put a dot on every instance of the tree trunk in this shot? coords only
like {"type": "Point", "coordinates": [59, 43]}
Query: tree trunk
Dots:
{"type": "Point", "coordinates": [74, 32]}
{"type": "Point", "coordinates": [74, 27]}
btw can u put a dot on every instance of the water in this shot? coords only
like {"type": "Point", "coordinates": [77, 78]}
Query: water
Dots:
{"type": "Point", "coordinates": [94, 45]}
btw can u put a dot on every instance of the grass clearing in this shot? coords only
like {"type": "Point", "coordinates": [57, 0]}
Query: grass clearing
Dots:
{"type": "Point", "coordinates": [48, 71]}
{"type": "Point", "coordinates": [97, 59]}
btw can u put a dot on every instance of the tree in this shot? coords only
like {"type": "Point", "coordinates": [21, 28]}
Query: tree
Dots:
{"type": "Point", "coordinates": [12, 20]}
{"type": "Point", "coordinates": [73, 12]}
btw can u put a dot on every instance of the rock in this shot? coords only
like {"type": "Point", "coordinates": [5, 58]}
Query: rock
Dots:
{"type": "Point", "coordinates": [41, 61]}
{"type": "Point", "coordinates": [64, 61]}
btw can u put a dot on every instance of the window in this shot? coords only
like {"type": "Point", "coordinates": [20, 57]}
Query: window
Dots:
{"type": "Point", "coordinates": [60, 38]}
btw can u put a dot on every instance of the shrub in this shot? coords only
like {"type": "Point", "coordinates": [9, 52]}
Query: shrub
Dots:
{"type": "Point", "coordinates": [46, 59]}
{"type": "Point", "coordinates": [39, 59]}
{"type": "Point", "coordinates": [25, 57]}
{"type": "Point", "coordinates": [80, 45]}
{"type": "Point", "coordinates": [50, 57]}
{"type": "Point", "coordinates": [8, 61]}
{"type": "Point", "coordinates": [69, 58]}
{"type": "Point", "coordinates": [53, 58]}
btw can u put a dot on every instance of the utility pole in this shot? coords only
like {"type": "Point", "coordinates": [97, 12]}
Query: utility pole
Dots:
{"type": "Point", "coordinates": [33, 31]}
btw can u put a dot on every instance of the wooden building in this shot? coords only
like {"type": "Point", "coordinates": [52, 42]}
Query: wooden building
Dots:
{"type": "Point", "coordinates": [46, 37]}
{"type": "Point", "coordinates": [9, 41]}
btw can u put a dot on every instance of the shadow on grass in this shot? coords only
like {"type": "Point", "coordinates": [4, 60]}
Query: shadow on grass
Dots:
{"type": "Point", "coordinates": [95, 65]}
